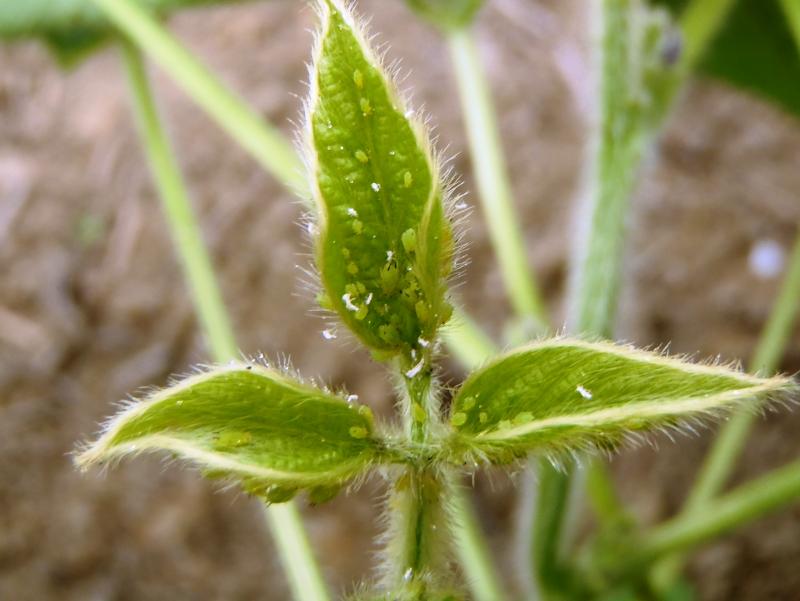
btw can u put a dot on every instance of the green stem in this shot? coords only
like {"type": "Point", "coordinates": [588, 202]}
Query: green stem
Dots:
{"type": "Point", "coordinates": [183, 225]}
{"type": "Point", "coordinates": [467, 341]}
{"type": "Point", "coordinates": [304, 576]}
{"type": "Point", "coordinates": [267, 145]}
{"type": "Point", "coordinates": [750, 501]}
{"type": "Point", "coordinates": [731, 440]}
{"type": "Point", "coordinates": [551, 501]}
{"type": "Point", "coordinates": [276, 155]}
{"type": "Point", "coordinates": [416, 511]}
{"type": "Point", "coordinates": [492, 179]}
{"type": "Point", "coordinates": [472, 549]}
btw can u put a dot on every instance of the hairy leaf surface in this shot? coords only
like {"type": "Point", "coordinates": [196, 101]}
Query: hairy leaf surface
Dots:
{"type": "Point", "coordinates": [384, 246]}
{"type": "Point", "coordinates": [251, 424]}
{"type": "Point", "coordinates": [566, 394]}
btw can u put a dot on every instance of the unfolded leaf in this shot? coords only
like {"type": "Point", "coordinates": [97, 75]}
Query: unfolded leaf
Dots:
{"type": "Point", "coordinates": [250, 424]}
{"type": "Point", "coordinates": [383, 246]}
{"type": "Point", "coordinates": [566, 394]}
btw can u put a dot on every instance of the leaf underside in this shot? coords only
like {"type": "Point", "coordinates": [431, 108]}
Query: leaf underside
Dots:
{"type": "Point", "coordinates": [754, 51]}
{"type": "Point", "coordinates": [249, 424]}
{"type": "Point", "coordinates": [564, 394]}
{"type": "Point", "coordinates": [384, 246]}
{"type": "Point", "coordinates": [448, 14]}
{"type": "Point", "coordinates": [72, 28]}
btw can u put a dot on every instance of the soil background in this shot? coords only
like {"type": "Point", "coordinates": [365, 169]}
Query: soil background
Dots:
{"type": "Point", "coordinates": [92, 306]}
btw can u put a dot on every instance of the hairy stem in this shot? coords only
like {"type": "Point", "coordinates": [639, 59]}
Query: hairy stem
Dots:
{"type": "Point", "coordinates": [267, 145]}
{"type": "Point", "coordinates": [276, 155]}
{"type": "Point", "coordinates": [492, 179]}
{"type": "Point", "coordinates": [416, 512]}
{"type": "Point", "coordinates": [304, 576]}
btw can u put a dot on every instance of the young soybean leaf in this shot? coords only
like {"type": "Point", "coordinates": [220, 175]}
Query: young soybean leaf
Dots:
{"type": "Point", "coordinates": [249, 424]}
{"type": "Point", "coordinates": [565, 394]}
{"type": "Point", "coordinates": [384, 246]}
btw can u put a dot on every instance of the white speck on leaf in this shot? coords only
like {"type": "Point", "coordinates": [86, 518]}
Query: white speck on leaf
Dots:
{"type": "Point", "coordinates": [375, 186]}
{"type": "Point", "coordinates": [352, 212]}
{"type": "Point", "coordinates": [583, 392]}
{"type": "Point", "coordinates": [348, 302]}
{"type": "Point", "coordinates": [416, 369]}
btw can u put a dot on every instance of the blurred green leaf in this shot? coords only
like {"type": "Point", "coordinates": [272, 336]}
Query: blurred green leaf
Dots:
{"type": "Point", "coordinates": [447, 14]}
{"type": "Point", "coordinates": [72, 28]}
{"type": "Point", "coordinates": [565, 395]}
{"type": "Point", "coordinates": [252, 425]}
{"type": "Point", "coordinates": [383, 246]}
{"type": "Point", "coordinates": [755, 51]}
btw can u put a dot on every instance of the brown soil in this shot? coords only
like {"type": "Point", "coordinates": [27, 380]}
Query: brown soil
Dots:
{"type": "Point", "coordinates": [92, 308]}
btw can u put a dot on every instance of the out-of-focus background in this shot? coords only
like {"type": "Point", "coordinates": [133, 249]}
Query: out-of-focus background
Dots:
{"type": "Point", "coordinates": [92, 305]}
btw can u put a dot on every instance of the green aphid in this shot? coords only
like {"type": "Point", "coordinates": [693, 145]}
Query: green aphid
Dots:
{"type": "Point", "coordinates": [388, 333]}
{"type": "Point", "coordinates": [422, 311]}
{"type": "Point", "coordinates": [409, 240]}
{"type": "Point", "coordinates": [458, 419]}
{"type": "Point", "coordinates": [233, 438]}
{"type": "Point", "coordinates": [389, 275]}
{"type": "Point", "coordinates": [358, 432]}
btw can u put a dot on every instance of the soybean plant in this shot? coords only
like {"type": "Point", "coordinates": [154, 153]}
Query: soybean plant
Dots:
{"type": "Point", "coordinates": [382, 221]}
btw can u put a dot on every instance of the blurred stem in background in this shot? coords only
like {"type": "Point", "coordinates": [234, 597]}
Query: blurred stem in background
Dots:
{"type": "Point", "coordinates": [730, 442]}
{"type": "Point", "coordinates": [276, 155]}
{"type": "Point", "coordinates": [491, 176]}
{"type": "Point", "coordinates": [265, 143]}
{"type": "Point", "coordinates": [305, 579]}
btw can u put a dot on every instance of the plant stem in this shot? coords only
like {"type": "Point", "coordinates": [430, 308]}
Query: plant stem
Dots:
{"type": "Point", "coordinates": [467, 341]}
{"type": "Point", "coordinates": [276, 156]}
{"type": "Point", "coordinates": [472, 549]}
{"type": "Point", "coordinates": [551, 500]}
{"type": "Point", "coordinates": [304, 576]}
{"type": "Point", "coordinates": [492, 179]}
{"type": "Point", "coordinates": [731, 440]}
{"type": "Point", "coordinates": [183, 225]}
{"type": "Point", "coordinates": [724, 514]}
{"type": "Point", "coordinates": [416, 514]}
{"type": "Point", "coordinates": [267, 145]}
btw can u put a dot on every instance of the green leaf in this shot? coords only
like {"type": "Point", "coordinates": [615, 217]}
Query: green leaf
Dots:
{"type": "Point", "coordinates": [250, 424]}
{"type": "Point", "coordinates": [754, 51]}
{"type": "Point", "coordinates": [447, 14]}
{"type": "Point", "coordinates": [563, 395]}
{"type": "Point", "coordinates": [72, 28]}
{"type": "Point", "coordinates": [384, 245]}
